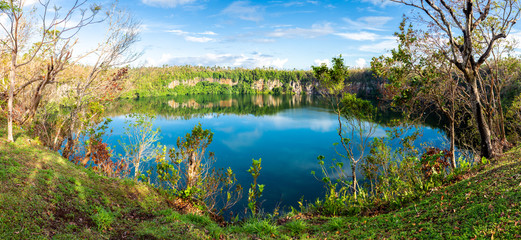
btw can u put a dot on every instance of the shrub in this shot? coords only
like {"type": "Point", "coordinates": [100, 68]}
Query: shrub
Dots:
{"type": "Point", "coordinates": [188, 172]}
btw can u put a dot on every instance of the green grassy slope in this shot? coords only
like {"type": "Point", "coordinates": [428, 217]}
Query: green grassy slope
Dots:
{"type": "Point", "coordinates": [485, 205]}
{"type": "Point", "coordinates": [44, 196]}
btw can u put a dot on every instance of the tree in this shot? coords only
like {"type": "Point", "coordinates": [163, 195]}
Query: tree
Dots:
{"type": "Point", "coordinates": [16, 34]}
{"type": "Point", "coordinates": [114, 50]}
{"type": "Point", "coordinates": [142, 139]}
{"type": "Point", "coordinates": [465, 33]}
{"type": "Point", "coordinates": [355, 126]}
{"type": "Point", "coordinates": [422, 82]}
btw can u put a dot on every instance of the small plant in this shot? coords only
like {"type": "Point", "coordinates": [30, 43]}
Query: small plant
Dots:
{"type": "Point", "coordinates": [168, 175]}
{"type": "Point", "coordinates": [255, 191]}
{"type": "Point", "coordinates": [434, 163]}
{"type": "Point", "coordinates": [263, 227]}
{"type": "Point", "coordinates": [102, 218]}
{"type": "Point", "coordinates": [484, 161]}
{"type": "Point", "coordinates": [296, 227]}
{"type": "Point", "coordinates": [335, 224]}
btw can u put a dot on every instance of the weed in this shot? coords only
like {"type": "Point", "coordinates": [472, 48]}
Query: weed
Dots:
{"type": "Point", "coordinates": [296, 227]}
{"type": "Point", "coordinates": [255, 191]}
{"type": "Point", "coordinates": [257, 226]}
{"type": "Point", "coordinates": [102, 218]}
{"type": "Point", "coordinates": [335, 224]}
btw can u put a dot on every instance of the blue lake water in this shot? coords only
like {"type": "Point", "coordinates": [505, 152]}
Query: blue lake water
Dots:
{"type": "Point", "coordinates": [287, 132]}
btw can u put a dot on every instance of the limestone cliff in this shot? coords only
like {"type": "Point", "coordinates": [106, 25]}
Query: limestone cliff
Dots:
{"type": "Point", "coordinates": [297, 87]}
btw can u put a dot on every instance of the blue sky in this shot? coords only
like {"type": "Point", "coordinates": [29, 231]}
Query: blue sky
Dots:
{"type": "Point", "coordinates": [280, 34]}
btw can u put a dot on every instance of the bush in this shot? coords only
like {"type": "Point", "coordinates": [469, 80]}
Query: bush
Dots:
{"type": "Point", "coordinates": [189, 173]}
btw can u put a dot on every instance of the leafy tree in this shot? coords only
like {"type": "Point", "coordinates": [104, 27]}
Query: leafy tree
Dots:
{"type": "Point", "coordinates": [355, 128]}
{"type": "Point", "coordinates": [419, 83]}
{"type": "Point", "coordinates": [465, 33]}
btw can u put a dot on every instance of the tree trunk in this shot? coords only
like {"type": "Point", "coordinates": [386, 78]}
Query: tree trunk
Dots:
{"type": "Point", "coordinates": [136, 170]}
{"type": "Point", "coordinates": [12, 79]}
{"type": "Point", "coordinates": [452, 118]}
{"type": "Point", "coordinates": [483, 128]}
{"type": "Point", "coordinates": [193, 170]}
{"type": "Point", "coordinates": [452, 143]}
{"type": "Point", "coordinates": [355, 183]}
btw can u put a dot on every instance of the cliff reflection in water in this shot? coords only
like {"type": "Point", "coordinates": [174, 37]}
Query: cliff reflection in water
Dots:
{"type": "Point", "coordinates": [187, 107]}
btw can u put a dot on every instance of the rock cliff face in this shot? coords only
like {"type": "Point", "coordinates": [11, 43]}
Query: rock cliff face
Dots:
{"type": "Point", "coordinates": [304, 88]}
{"type": "Point", "coordinates": [192, 82]}
{"type": "Point", "coordinates": [259, 85]}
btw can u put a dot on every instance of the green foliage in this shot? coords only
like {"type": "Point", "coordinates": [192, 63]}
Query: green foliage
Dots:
{"type": "Point", "coordinates": [513, 123]}
{"type": "Point", "coordinates": [102, 218]}
{"type": "Point", "coordinates": [296, 227]}
{"type": "Point", "coordinates": [392, 176]}
{"type": "Point", "coordinates": [255, 191]}
{"type": "Point", "coordinates": [338, 192]}
{"type": "Point", "coordinates": [355, 129]}
{"type": "Point", "coordinates": [188, 172]}
{"type": "Point", "coordinates": [434, 164]}
{"type": "Point", "coordinates": [262, 227]}
{"type": "Point", "coordinates": [210, 80]}
{"type": "Point", "coordinates": [353, 107]}
{"type": "Point", "coordinates": [167, 173]}
{"type": "Point", "coordinates": [332, 80]}
{"type": "Point", "coordinates": [6, 7]}
{"type": "Point", "coordinates": [46, 196]}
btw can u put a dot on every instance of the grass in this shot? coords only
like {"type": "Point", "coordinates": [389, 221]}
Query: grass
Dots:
{"type": "Point", "coordinates": [43, 196]}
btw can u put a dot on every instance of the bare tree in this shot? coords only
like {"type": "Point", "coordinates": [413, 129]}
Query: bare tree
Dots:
{"type": "Point", "coordinates": [465, 32]}
{"type": "Point", "coordinates": [141, 145]}
{"type": "Point", "coordinates": [16, 34]}
{"type": "Point", "coordinates": [114, 50]}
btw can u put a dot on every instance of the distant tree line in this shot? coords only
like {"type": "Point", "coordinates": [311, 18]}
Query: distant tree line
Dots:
{"type": "Point", "coordinates": [155, 81]}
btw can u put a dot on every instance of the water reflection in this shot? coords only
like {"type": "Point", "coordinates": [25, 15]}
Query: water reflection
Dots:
{"type": "Point", "coordinates": [199, 105]}
{"type": "Point", "coordinates": [287, 132]}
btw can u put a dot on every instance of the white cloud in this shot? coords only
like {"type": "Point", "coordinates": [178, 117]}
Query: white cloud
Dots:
{"type": "Point", "coordinates": [319, 62]}
{"type": "Point", "coordinates": [252, 60]}
{"type": "Point", "coordinates": [262, 40]}
{"type": "Point", "coordinates": [4, 19]}
{"type": "Point", "coordinates": [374, 23]}
{"type": "Point", "coordinates": [167, 3]}
{"type": "Point", "coordinates": [317, 124]}
{"type": "Point", "coordinates": [198, 39]}
{"type": "Point", "coordinates": [514, 38]}
{"type": "Point", "coordinates": [379, 47]}
{"type": "Point", "coordinates": [190, 36]}
{"type": "Point", "coordinates": [27, 3]}
{"type": "Point", "coordinates": [178, 32]}
{"type": "Point", "coordinates": [243, 10]}
{"type": "Point", "coordinates": [316, 30]}
{"type": "Point", "coordinates": [243, 140]}
{"type": "Point", "coordinates": [208, 33]}
{"type": "Point", "coordinates": [259, 60]}
{"type": "Point", "coordinates": [361, 63]}
{"type": "Point", "coordinates": [360, 36]}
